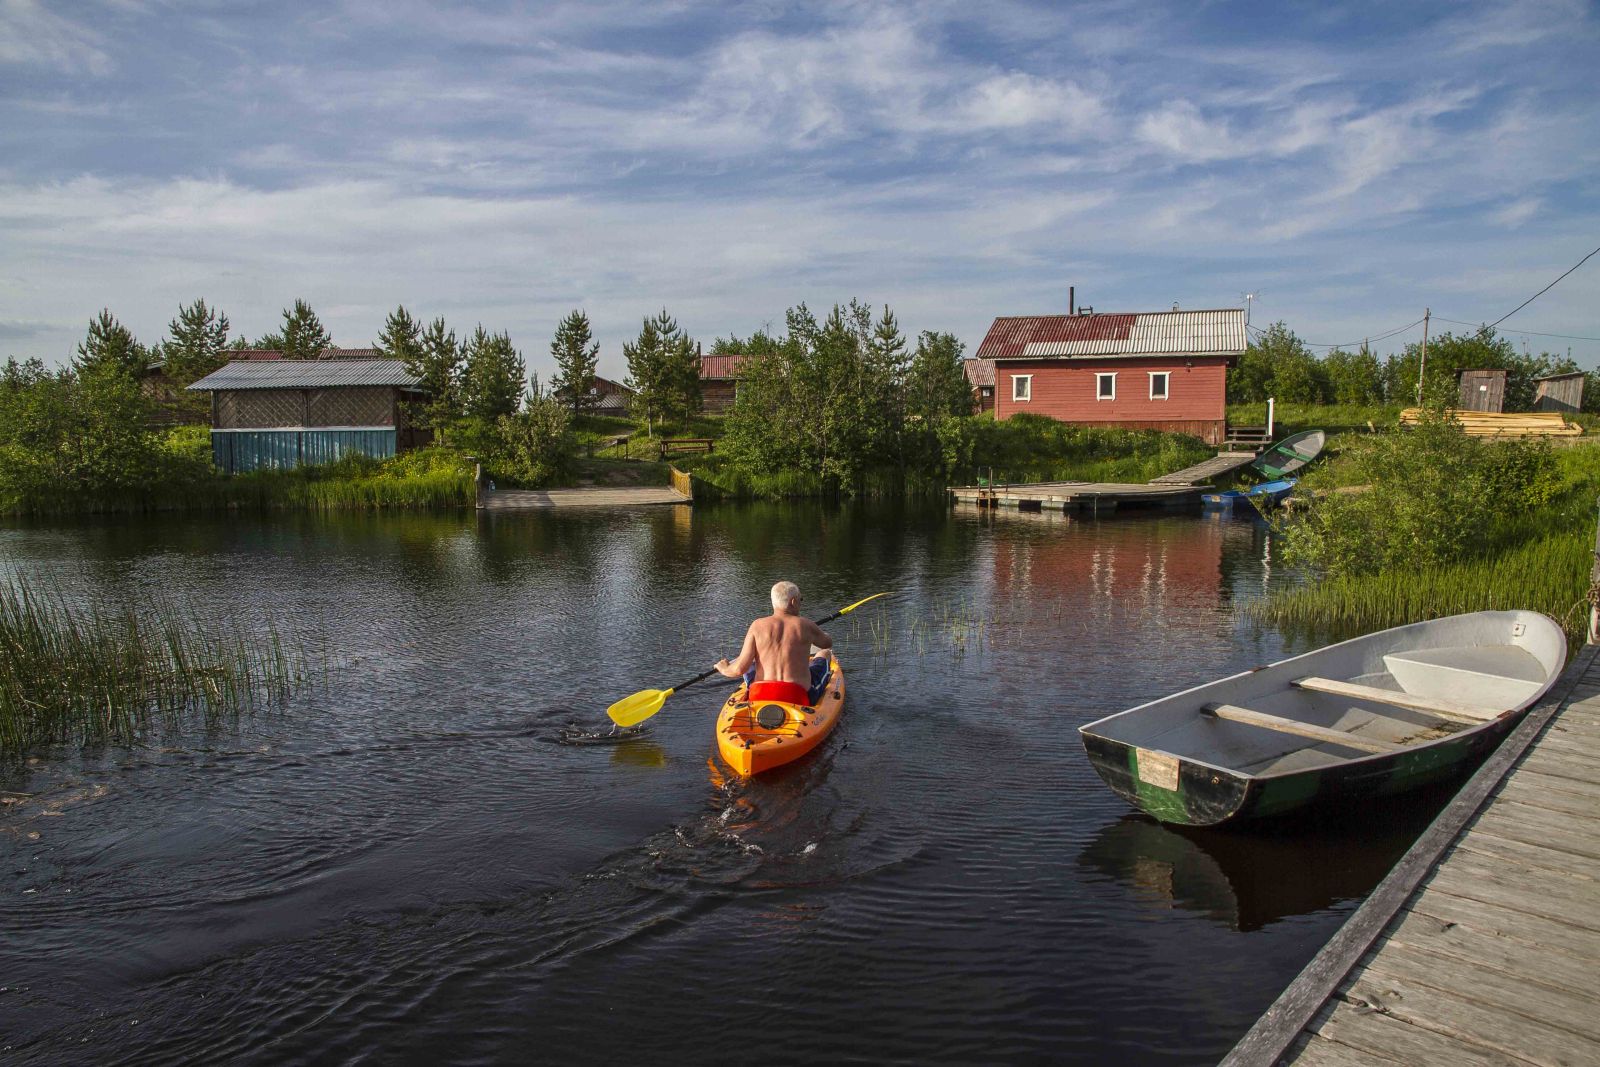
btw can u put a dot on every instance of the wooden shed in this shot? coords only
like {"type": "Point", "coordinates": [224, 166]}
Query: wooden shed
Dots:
{"type": "Point", "coordinates": [719, 381]}
{"type": "Point", "coordinates": [1560, 392]}
{"type": "Point", "coordinates": [289, 413]}
{"type": "Point", "coordinates": [1482, 390]}
{"type": "Point", "coordinates": [980, 378]}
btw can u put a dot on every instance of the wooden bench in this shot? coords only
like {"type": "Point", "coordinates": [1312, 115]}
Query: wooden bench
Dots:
{"type": "Point", "coordinates": [673, 445]}
{"type": "Point", "coordinates": [1444, 709]}
{"type": "Point", "coordinates": [1300, 729]}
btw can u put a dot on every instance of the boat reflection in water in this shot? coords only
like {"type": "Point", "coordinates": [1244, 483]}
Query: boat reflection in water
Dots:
{"type": "Point", "coordinates": [1248, 881]}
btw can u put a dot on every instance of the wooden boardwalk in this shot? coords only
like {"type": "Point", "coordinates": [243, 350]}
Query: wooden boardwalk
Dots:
{"type": "Point", "coordinates": [1204, 471]}
{"type": "Point", "coordinates": [592, 497]}
{"type": "Point", "coordinates": [1482, 946]}
{"type": "Point", "coordinates": [1094, 497]}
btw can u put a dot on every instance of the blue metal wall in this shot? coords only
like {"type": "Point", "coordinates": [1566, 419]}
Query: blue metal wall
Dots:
{"type": "Point", "coordinates": [238, 451]}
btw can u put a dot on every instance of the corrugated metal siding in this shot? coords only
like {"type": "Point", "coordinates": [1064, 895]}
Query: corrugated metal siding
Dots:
{"type": "Point", "coordinates": [1145, 333]}
{"type": "Point", "coordinates": [238, 451]}
{"type": "Point", "coordinates": [308, 374]}
{"type": "Point", "coordinates": [1196, 396]}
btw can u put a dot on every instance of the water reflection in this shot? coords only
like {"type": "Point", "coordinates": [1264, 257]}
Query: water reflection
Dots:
{"type": "Point", "coordinates": [1248, 880]}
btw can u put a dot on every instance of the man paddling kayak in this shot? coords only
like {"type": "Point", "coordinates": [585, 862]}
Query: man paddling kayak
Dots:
{"type": "Point", "coordinates": [776, 657]}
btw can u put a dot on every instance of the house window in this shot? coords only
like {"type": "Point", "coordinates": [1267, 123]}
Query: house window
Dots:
{"type": "Point", "coordinates": [1158, 384]}
{"type": "Point", "coordinates": [1105, 386]}
{"type": "Point", "coordinates": [1022, 387]}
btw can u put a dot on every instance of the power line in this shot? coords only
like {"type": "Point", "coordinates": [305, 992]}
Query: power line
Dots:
{"type": "Point", "coordinates": [1530, 333]}
{"type": "Point", "coordinates": [1543, 291]}
{"type": "Point", "coordinates": [1350, 344]}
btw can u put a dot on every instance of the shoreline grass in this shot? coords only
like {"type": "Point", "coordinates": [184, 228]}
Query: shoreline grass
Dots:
{"type": "Point", "coordinates": [110, 672]}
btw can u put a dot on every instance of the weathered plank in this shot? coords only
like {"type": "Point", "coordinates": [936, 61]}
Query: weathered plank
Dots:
{"type": "Point", "coordinates": [1555, 830]}
{"type": "Point", "coordinates": [1534, 780]}
{"type": "Point", "coordinates": [1377, 1035]}
{"type": "Point", "coordinates": [1471, 1022]}
{"type": "Point", "coordinates": [1461, 951]}
{"type": "Point", "coordinates": [1516, 850]}
{"type": "Point", "coordinates": [1562, 766]}
{"type": "Point", "coordinates": [1552, 794]}
{"type": "Point", "coordinates": [1536, 892]}
{"type": "Point", "coordinates": [1321, 734]}
{"type": "Point", "coordinates": [537, 499]}
{"type": "Point", "coordinates": [1445, 709]}
{"type": "Point", "coordinates": [1537, 1008]}
{"type": "Point", "coordinates": [1541, 936]}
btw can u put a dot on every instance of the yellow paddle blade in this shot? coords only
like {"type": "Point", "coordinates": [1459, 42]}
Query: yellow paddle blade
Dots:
{"type": "Point", "coordinates": [632, 710]}
{"type": "Point", "coordinates": [857, 604]}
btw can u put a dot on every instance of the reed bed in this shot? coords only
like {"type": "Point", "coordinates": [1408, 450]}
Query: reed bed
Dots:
{"type": "Point", "coordinates": [107, 673]}
{"type": "Point", "coordinates": [1548, 574]}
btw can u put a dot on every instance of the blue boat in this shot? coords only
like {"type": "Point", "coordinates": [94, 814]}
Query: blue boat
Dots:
{"type": "Point", "coordinates": [1265, 495]}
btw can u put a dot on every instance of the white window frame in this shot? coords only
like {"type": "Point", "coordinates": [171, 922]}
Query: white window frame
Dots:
{"type": "Point", "coordinates": [1101, 376]}
{"type": "Point", "coordinates": [1021, 388]}
{"type": "Point", "coordinates": [1166, 384]}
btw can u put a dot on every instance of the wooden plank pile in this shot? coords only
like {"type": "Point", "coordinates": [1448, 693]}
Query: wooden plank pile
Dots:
{"type": "Point", "coordinates": [1505, 424]}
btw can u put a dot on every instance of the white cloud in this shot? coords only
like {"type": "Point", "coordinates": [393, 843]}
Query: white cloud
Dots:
{"type": "Point", "coordinates": [1517, 212]}
{"type": "Point", "coordinates": [31, 35]}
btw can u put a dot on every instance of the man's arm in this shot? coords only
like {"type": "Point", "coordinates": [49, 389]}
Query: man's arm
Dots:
{"type": "Point", "coordinates": [746, 660]}
{"type": "Point", "coordinates": [817, 636]}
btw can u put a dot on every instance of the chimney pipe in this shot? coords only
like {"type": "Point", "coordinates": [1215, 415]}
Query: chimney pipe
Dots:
{"type": "Point", "coordinates": [1072, 300]}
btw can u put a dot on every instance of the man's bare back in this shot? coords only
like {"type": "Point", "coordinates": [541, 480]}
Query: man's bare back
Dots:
{"type": "Point", "coordinates": [779, 646]}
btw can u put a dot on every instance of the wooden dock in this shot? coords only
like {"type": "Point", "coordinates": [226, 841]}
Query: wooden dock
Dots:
{"type": "Point", "coordinates": [1483, 944]}
{"type": "Point", "coordinates": [588, 497]}
{"type": "Point", "coordinates": [1202, 473]}
{"type": "Point", "coordinates": [1099, 498]}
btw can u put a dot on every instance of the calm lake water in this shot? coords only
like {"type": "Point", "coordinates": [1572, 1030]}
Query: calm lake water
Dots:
{"type": "Point", "coordinates": [404, 865]}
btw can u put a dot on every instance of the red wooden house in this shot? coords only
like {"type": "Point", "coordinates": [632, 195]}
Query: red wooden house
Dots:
{"type": "Point", "coordinates": [1161, 370]}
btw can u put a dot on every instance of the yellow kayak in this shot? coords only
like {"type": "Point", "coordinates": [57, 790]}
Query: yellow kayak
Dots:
{"type": "Point", "coordinates": [755, 737]}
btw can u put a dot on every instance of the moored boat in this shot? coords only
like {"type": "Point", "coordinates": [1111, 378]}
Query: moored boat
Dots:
{"type": "Point", "coordinates": [755, 736]}
{"type": "Point", "coordinates": [1366, 718]}
{"type": "Point", "coordinates": [1267, 494]}
{"type": "Point", "coordinates": [1290, 454]}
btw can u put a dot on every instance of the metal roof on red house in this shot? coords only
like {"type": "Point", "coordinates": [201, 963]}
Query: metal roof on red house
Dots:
{"type": "Point", "coordinates": [721, 367]}
{"type": "Point", "coordinates": [1119, 335]}
{"type": "Point", "coordinates": [327, 353]}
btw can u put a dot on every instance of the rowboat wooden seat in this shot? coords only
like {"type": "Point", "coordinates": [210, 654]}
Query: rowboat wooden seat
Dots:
{"type": "Point", "coordinates": [1322, 734]}
{"type": "Point", "coordinates": [1444, 709]}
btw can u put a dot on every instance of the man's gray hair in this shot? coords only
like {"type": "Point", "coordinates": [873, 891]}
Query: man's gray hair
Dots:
{"type": "Point", "coordinates": [784, 594]}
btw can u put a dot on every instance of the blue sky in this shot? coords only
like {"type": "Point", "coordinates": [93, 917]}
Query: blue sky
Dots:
{"type": "Point", "coordinates": [1351, 163]}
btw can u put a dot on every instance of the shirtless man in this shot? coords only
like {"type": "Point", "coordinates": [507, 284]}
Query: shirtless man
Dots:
{"type": "Point", "coordinates": [779, 647]}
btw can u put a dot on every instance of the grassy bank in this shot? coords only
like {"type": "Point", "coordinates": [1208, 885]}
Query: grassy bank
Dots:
{"type": "Point", "coordinates": [76, 675]}
{"type": "Point", "coordinates": [1532, 553]}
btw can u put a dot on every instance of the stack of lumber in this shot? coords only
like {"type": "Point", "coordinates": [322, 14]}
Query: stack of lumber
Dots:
{"type": "Point", "coordinates": [1505, 424]}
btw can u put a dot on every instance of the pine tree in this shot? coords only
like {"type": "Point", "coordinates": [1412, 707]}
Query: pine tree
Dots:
{"type": "Point", "coordinates": [109, 346]}
{"type": "Point", "coordinates": [936, 381]}
{"type": "Point", "coordinates": [576, 355]}
{"type": "Point", "coordinates": [438, 362]}
{"type": "Point", "coordinates": [663, 369]}
{"type": "Point", "coordinates": [302, 336]}
{"type": "Point", "coordinates": [401, 337]}
{"type": "Point", "coordinates": [492, 383]}
{"type": "Point", "coordinates": [197, 342]}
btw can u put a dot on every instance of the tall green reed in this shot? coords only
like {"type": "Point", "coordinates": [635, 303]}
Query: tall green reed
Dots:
{"type": "Point", "coordinates": [102, 672]}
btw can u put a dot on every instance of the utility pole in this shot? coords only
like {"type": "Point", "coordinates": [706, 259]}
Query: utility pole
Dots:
{"type": "Point", "coordinates": [1422, 372]}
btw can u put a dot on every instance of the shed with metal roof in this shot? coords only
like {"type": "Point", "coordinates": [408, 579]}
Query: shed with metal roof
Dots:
{"type": "Point", "coordinates": [285, 413]}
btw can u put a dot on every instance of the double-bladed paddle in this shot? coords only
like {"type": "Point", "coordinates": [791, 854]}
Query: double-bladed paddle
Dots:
{"type": "Point", "coordinates": [632, 710]}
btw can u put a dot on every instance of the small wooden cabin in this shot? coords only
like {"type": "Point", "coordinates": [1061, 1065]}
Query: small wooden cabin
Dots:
{"type": "Point", "coordinates": [285, 413]}
{"type": "Point", "coordinates": [719, 381]}
{"type": "Point", "coordinates": [1560, 392]}
{"type": "Point", "coordinates": [980, 377]}
{"type": "Point", "coordinates": [1482, 390]}
{"type": "Point", "coordinates": [1161, 370]}
{"type": "Point", "coordinates": [610, 398]}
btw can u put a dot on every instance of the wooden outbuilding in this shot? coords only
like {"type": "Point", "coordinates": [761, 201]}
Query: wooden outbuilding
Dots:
{"type": "Point", "coordinates": [285, 413]}
{"type": "Point", "coordinates": [1162, 370]}
{"type": "Point", "coordinates": [1482, 390]}
{"type": "Point", "coordinates": [980, 377]}
{"type": "Point", "coordinates": [719, 381]}
{"type": "Point", "coordinates": [1560, 392]}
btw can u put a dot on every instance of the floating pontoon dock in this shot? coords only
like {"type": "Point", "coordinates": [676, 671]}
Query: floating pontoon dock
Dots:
{"type": "Point", "coordinates": [1093, 497]}
{"type": "Point", "coordinates": [1202, 472]}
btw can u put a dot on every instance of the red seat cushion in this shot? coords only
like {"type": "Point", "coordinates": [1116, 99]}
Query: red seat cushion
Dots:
{"type": "Point", "coordinates": [783, 692]}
